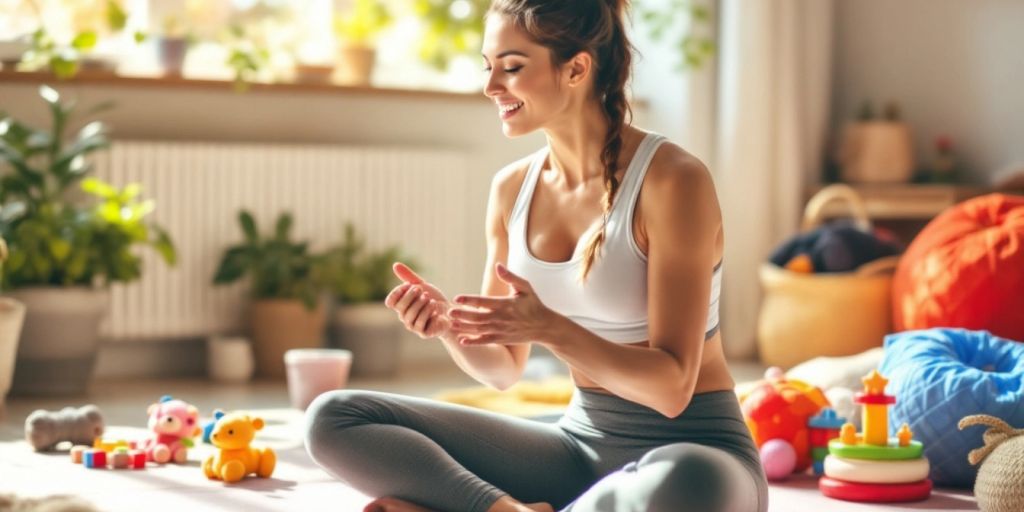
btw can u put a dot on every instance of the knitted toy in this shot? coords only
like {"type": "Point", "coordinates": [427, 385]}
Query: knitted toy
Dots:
{"type": "Point", "coordinates": [1000, 483]}
{"type": "Point", "coordinates": [235, 458]}
{"type": "Point", "coordinates": [174, 423]}
{"type": "Point", "coordinates": [44, 429]}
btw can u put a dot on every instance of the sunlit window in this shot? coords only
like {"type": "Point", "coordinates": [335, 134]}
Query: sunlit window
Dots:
{"type": "Point", "coordinates": [403, 43]}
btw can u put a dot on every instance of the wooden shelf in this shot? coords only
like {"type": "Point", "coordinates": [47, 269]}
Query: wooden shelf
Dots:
{"type": "Point", "coordinates": [182, 83]}
{"type": "Point", "coordinates": [905, 202]}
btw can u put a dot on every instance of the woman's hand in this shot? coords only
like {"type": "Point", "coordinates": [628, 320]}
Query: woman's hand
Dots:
{"type": "Point", "coordinates": [518, 318]}
{"type": "Point", "coordinates": [421, 306]}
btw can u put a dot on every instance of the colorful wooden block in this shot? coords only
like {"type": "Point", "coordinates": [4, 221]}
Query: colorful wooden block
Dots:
{"type": "Point", "coordinates": [138, 459]}
{"type": "Point", "coordinates": [121, 459]}
{"type": "Point", "coordinates": [77, 452]}
{"type": "Point", "coordinates": [95, 458]}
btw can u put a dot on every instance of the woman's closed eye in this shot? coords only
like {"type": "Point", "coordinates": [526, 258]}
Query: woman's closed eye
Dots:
{"type": "Point", "coordinates": [507, 70]}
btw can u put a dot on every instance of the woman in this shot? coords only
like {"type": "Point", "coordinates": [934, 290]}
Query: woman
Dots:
{"type": "Point", "coordinates": [605, 248]}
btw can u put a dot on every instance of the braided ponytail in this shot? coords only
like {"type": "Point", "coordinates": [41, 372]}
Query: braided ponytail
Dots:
{"type": "Point", "coordinates": [566, 29]}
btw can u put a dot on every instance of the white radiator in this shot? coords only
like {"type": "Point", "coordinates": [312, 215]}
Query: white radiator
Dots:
{"type": "Point", "coordinates": [418, 198]}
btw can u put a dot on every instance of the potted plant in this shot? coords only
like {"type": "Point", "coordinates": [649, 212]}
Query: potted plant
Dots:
{"type": "Point", "coordinates": [361, 323]}
{"type": "Point", "coordinates": [357, 32]}
{"type": "Point", "coordinates": [451, 28]}
{"type": "Point", "coordinates": [12, 316]}
{"type": "Point", "coordinates": [90, 20]}
{"type": "Point", "coordinates": [287, 310]}
{"type": "Point", "coordinates": [65, 249]}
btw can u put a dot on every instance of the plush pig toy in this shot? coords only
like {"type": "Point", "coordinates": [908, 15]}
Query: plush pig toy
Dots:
{"type": "Point", "coordinates": [174, 423]}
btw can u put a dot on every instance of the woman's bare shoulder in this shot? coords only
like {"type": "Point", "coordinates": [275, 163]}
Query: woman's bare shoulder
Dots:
{"type": "Point", "coordinates": [508, 180]}
{"type": "Point", "coordinates": [676, 179]}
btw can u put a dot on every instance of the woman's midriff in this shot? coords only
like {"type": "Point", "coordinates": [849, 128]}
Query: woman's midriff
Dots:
{"type": "Point", "coordinates": [713, 375]}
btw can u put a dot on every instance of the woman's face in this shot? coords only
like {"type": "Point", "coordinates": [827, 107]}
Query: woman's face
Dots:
{"type": "Point", "coordinates": [520, 78]}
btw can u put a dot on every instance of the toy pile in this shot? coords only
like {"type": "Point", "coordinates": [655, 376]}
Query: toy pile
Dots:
{"type": "Point", "coordinates": [173, 424]}
{"type": "Point", "coordinates": [835, 247]}
{"type": "Point", "coordinates": [871, 466]}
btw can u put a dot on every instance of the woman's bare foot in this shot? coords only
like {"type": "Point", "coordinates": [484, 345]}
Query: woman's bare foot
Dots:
{"type": "Point", "coordinates": [507, 504]}
{"type": "Point", "coordinates": [502, 505]}
{"type": "Point", "coordinates": [393, 505]}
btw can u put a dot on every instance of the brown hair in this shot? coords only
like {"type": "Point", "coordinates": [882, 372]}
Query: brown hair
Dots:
{"type": "Point", "coordinates": [596, 27]}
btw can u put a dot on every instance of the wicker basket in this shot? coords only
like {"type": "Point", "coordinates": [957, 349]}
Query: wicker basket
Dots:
{"type": "Point", "coordinates": [829, 314]}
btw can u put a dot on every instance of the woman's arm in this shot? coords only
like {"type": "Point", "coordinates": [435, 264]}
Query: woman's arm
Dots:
{"type": "Point", "coordinates": [681, 220]}
{"type": "Point", "coordinates": [498, 366]}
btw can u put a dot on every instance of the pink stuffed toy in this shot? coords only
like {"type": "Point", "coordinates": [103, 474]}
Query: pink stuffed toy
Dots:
{"type": "Point", "coordinates": [174, 424]}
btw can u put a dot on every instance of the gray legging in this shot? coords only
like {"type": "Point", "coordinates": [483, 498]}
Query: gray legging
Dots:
{"type": "Point", "coordinates": [606, 454]}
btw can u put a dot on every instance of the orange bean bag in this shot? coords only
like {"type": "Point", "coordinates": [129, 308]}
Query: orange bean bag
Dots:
{"type": "Point", "coordinates": [966, 269]}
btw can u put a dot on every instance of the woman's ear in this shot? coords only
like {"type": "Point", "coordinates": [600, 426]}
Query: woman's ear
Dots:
{"type": "Point", "coordinates": [579, 68]}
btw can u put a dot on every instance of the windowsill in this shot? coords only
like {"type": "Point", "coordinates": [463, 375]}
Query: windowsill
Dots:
{"type": "Point", "coordinates": [182, 83]}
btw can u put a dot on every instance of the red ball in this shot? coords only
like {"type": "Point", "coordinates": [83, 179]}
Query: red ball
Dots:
{"type": "Point", "coordinates": [966, 269]}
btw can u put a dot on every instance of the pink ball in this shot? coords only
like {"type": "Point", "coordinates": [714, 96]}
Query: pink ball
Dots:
{"type": "Point", "coordinates": [774, 373]}
{"type": "Point", "coordinates": [778, 459]}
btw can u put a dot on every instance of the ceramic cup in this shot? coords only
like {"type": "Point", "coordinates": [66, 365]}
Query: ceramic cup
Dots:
{"type": "Point", "coordinates": [312, 371]}
{"type": "Point", "coordinates": [229, 359]}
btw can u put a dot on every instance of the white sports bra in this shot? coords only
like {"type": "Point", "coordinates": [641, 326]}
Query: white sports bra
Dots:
{"type": "Point", "coordinates": [612, 303]}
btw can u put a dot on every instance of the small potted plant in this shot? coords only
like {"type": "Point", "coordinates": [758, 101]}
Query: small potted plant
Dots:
{"type": "Point", "coordinates": [12, 316]}
{"type": "Point", "coordinates": [287, 280]}
{"type": "Point", "coordinates": [360, 280]}
{"type": "Point", "coordinates": [66, 250]}
{"type": "Point", "coordinates": [357, 32]}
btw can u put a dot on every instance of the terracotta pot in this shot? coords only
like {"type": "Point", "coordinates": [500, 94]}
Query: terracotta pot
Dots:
{"type": "Point", "coordinates": [59, 340]}
{"type": "Point", "coordinates": [355, 65]}
{"type": "Point", "coordinates": [278, 326]}
{"type": "Point", "coordinates": [373, 334]}
{"type": "Point", "coordinates": [876, 152]}
{"type": "Point", "coordinates": [12, 317]}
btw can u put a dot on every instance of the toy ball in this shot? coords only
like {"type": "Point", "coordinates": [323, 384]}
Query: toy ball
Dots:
{"type": "Point", "coordinates": [778, 459]}
{"type": "Point", "coordinates": [774, 373]}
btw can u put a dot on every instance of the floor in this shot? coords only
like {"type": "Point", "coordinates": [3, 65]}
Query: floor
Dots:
{"type": "Point", "coordinates": [297, 484]}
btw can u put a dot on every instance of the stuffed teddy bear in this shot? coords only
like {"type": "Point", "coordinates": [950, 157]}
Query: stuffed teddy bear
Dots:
{"type": "Point", "coordinates": [235, 458]}
{"type": "Point", "coordinates": [174, 423]}
{"type": "Point", "coordinates": [44, 429]}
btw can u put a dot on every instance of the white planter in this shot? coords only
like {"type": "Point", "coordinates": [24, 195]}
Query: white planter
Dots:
{"type": "Point", "coordinates": [12, 317]}
{"type": "Point", "coordinates": [372, 332]}
{"type": "Point", "coordinates": [229, 359]}
{"type": "Point", "coordinates": [59, 340]}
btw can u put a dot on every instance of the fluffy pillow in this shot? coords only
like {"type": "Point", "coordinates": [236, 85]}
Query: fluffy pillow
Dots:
{"type": "Point", "coordinates": [941, 375]}
{"type": "Point", "coordinates": [966, 269]}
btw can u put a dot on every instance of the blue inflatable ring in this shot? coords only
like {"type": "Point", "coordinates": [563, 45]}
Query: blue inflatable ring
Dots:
{"type": "Point", "coordinates": [941, 375]}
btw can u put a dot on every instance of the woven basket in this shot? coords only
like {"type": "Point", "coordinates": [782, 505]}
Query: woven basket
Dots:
{"type": "Point", "coordinates": [1000, 483]}
{"type": "Point", "coordinates": [829, 314]}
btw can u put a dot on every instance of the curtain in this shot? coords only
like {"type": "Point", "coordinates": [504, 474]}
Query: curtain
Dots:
{"type": "Point", "coordinates": [770, 126]}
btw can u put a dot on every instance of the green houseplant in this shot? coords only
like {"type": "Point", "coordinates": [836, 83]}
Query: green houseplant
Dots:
{"type": "Point", "coordinates": [12, 316]}
{"type": "Point", "coordinates": [451, 28]}
{"type": "Point", "coordinates": [357, 32]}
{"type": "Point", "coordinates": [90, 19]}
{"type": "Point", "coordinates": [66, 247]}
{"type": "Point", "coordinates": [286, 282]}
{"type": "Point", "coordinates": [360, 280]}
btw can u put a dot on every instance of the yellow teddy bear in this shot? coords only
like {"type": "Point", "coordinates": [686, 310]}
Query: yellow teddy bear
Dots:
{"type": "Point", "coordinates": [235, 458]}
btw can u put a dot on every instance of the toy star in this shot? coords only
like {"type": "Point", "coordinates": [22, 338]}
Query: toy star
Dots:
{"type": "Point", "coordinates": [905, 435]}
{"type": "Point", "coordinates": [874, 383]}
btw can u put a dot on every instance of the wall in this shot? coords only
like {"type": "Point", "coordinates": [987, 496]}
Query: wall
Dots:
{"type": "Point", "coordinates": [467, 123]}
{"type": "Point", "coordinates": [955, 66]}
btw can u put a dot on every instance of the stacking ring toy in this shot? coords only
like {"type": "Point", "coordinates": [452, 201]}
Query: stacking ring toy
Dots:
{"type": "Point", "coordinates": [876, 493]}
{"type": "Point", "coordinates": [876, 471]}
{"type": "Point", "coordinates": [871, 452]}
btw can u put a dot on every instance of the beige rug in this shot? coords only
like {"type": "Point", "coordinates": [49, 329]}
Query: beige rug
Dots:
{"type": "Point", "coordinates": [297, 484]}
